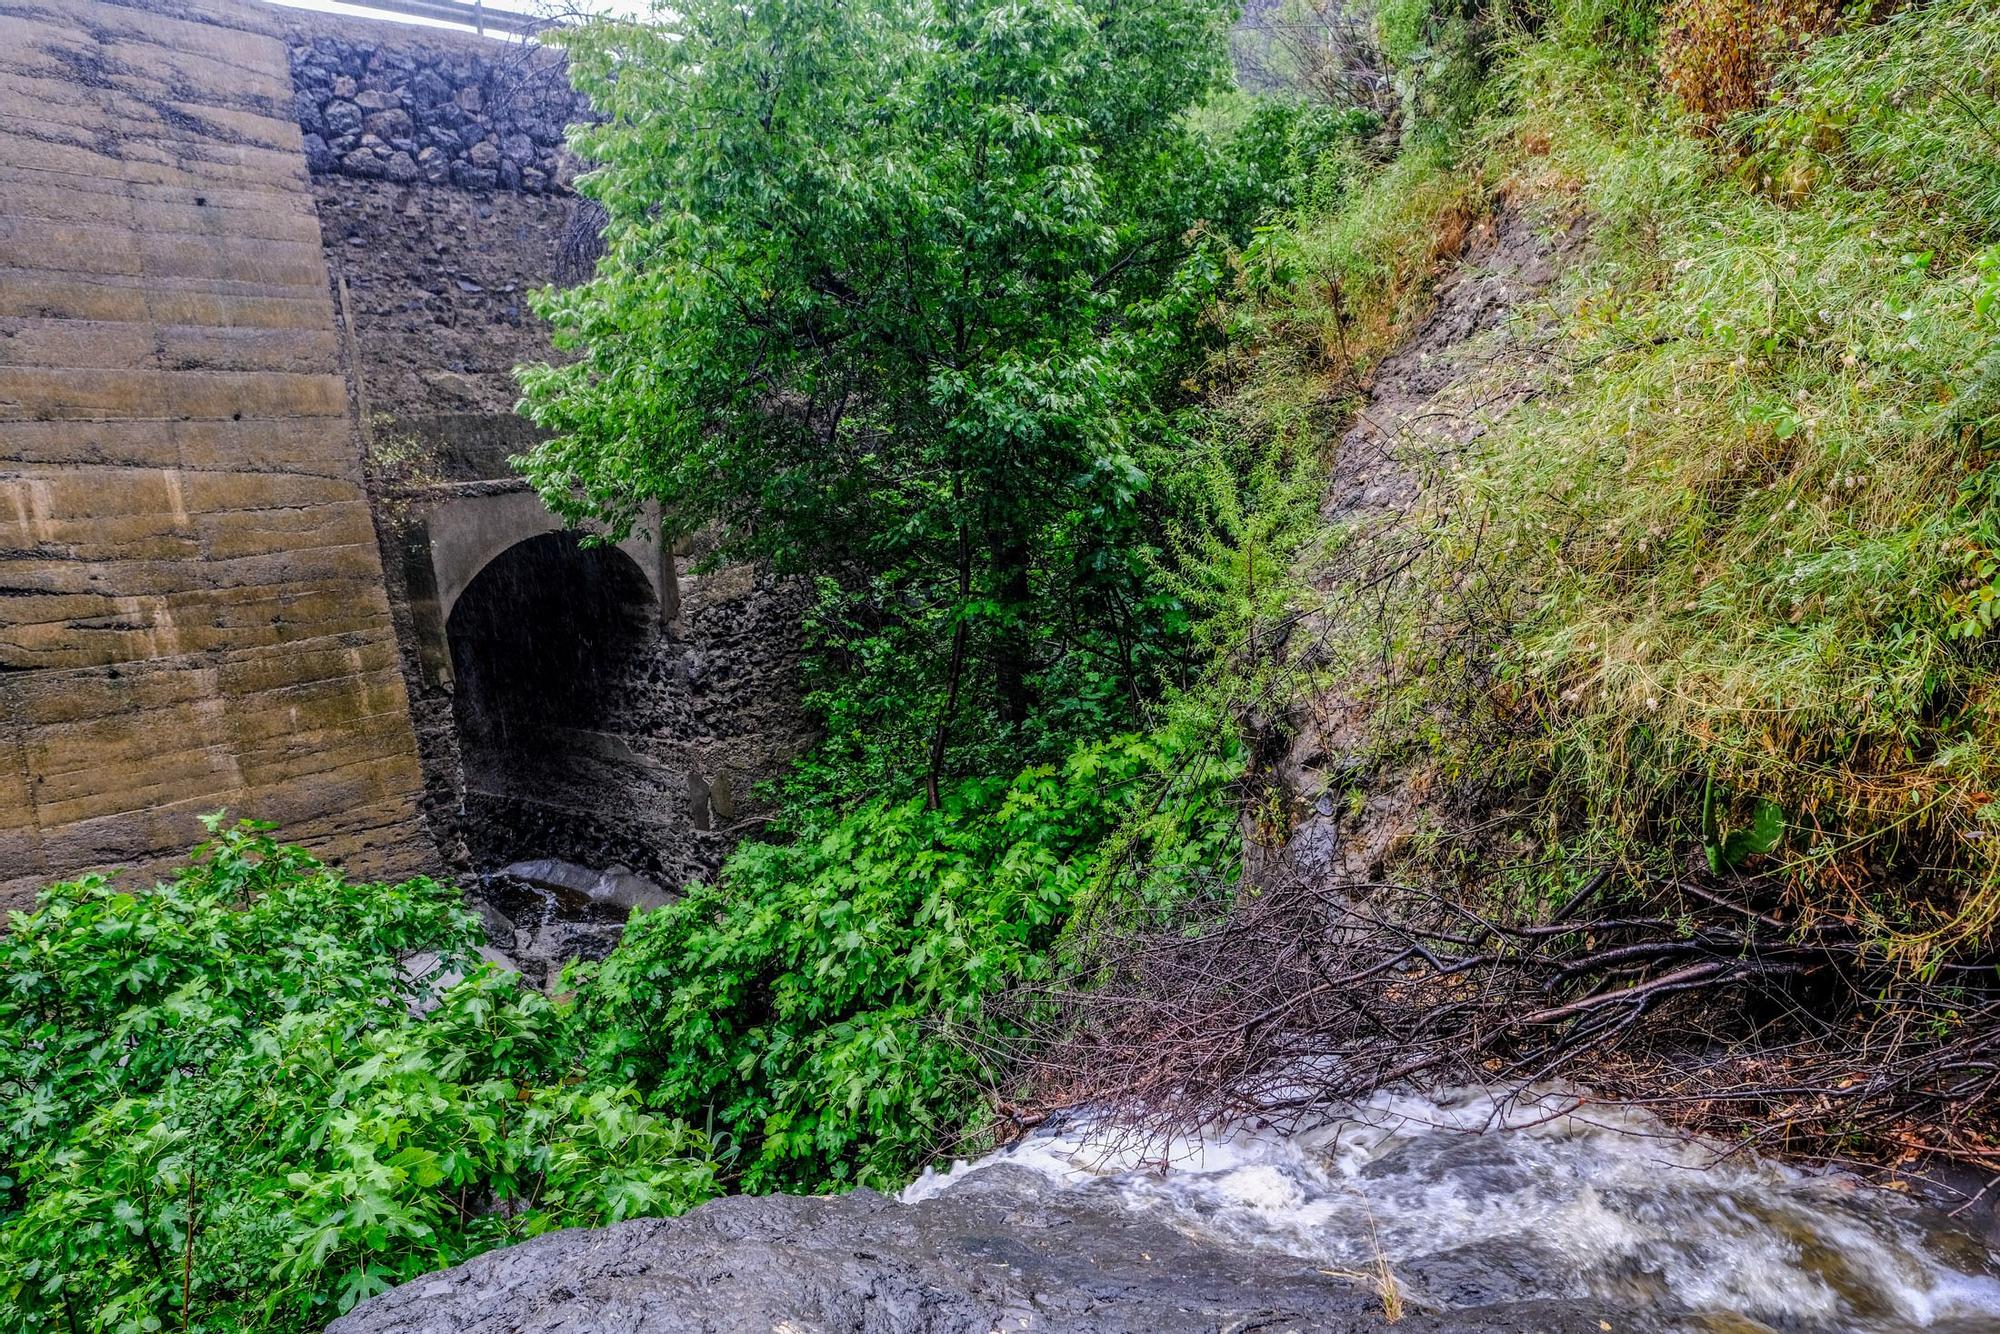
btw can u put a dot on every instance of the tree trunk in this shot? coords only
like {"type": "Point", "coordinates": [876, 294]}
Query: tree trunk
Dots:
{"type": "Point", "coordinates": [953, 674]}
{"type": "Point", "coordinates": [1010, 649]}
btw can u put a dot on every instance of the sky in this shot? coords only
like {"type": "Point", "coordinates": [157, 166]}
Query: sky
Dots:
{"type": "Point", "coordinates": [518, 6]}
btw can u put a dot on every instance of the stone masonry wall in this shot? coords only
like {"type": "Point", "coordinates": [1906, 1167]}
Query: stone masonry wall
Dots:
{"type": "Point", "coordinates": [378, 101]}
{"type": "Point", "coordinates": [432, 281]}
{"type": "Point", "coordinates": [430, 275]}
{"type": "Point", "coordinates": [192, 609]}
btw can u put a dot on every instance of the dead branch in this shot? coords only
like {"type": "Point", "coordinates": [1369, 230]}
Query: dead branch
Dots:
{"type": "Point", "coordinates": [1682, 995]}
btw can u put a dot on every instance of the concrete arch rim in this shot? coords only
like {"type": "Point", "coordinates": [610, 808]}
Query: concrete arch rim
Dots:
{"type": "Point", "coordinates": [468, 534]}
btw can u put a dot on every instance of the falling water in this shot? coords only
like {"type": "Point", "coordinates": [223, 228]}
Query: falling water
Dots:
{"type": "Point", "coordinates": [1474, 1201]}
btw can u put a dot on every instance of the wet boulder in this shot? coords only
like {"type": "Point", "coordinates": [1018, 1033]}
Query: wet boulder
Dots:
{"type": "Point", "coordinates": [1006, 1251]}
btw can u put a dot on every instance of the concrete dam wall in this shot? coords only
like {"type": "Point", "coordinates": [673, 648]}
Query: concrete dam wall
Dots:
{"type": "Point", "coordinates": [262, 285]}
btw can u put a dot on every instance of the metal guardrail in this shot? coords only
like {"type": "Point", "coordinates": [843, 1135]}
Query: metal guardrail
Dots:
{"type": "Point", "coordinates": [475, 14]}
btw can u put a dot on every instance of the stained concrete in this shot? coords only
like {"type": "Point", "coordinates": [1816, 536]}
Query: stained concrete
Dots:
{"type": "Point", "coordinates": [192, 608]}
{"type": "Point", "coordinates": [466, 534]}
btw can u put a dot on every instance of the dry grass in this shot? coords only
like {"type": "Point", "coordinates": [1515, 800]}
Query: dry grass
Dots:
{"type": "Point", "coordinates": [1719, 56]}
{"type": "Point", "coordinates": [1704, 997]}
{"type": "Point", "coordinates": [1324, 299]}
{"type": "Point", "coordinates": [1380, 1275]}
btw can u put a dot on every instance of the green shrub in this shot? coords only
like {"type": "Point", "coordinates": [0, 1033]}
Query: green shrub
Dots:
{"type": "Point", "coordinates": [1904, 110]}
{"type": "Point", "coordinates": [229, 1104]}
{"type": "Point", "coordinates": [825, 1002]}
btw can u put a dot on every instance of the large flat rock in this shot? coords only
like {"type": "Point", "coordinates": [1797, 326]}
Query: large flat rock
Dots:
{"type": "Point", "coordinates": [1005, 1251]}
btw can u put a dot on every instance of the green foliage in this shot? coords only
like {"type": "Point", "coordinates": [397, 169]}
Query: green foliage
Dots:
{"type": "Point", "coordinates": [1618, 28]}
{"type": "Point", "coordinates": [1889, 107]}
{"type": "Point", "coordinates": [1439, 50]}
{"type": "Point", "coordinates": [1248, 496]}
{"type": "Point", "coordinates": [246, 1099]}
{"type": "Point", "coordinates": [1728, 849]}
{"type": "Point", "coordinates": [874, 681]}
{"type": "Point", "coordinates": [841, 1004]}
{"type": "Point", "coordinates": [1404, 28]}
{"type": "Point", "coordinates": [1288, 152]}
{"type": "Point", "coordinates": [826, 1002]}
{"type": "Point", "coordinates": [1745, 529]}
{"type": "Point", "coordinates": [882, 296]}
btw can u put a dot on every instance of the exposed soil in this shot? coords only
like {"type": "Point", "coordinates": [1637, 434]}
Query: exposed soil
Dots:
{"type": "Point", "coordinates": [1479, 355]}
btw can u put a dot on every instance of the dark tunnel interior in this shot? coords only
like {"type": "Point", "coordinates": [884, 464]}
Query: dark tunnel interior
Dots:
{"type": "Point", "coordinates": [543, 644]}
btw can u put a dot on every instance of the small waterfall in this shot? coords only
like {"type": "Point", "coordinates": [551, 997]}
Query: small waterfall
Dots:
{"type": "Point", "coordinates": [1473, 1200]}
{"type": "Point", "coordinates": [541, 914]}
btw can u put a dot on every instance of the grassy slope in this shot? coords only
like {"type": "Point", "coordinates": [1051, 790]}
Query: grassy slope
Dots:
{"type": "Point", "coordinates": [1742, 537]}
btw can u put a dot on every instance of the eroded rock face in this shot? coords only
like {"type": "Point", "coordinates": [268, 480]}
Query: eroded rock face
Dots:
{"type": "Point", "coordinates": [1006, 1251]}
{"type": "Point", "coordinates": [1470, 363]}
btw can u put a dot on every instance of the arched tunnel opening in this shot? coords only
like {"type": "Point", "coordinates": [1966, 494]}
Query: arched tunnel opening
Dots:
{"type": "Point", "coordinates": [545, 643]}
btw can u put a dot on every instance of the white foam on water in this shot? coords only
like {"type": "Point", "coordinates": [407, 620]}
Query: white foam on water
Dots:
{"type": "Point", "coordinates": [1473, 1199]}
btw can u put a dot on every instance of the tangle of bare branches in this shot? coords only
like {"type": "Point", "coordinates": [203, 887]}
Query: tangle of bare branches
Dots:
{"type": "Point", "coordinates": [1686, 993]}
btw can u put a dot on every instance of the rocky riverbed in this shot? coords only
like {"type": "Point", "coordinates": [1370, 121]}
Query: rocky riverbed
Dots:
{"type": "Point", "coordinates": [1012, 1251]}
{"type": "Point", "coordinates": [1551, 1214]}
{"type": "Point", "coordinates": [541, 914]}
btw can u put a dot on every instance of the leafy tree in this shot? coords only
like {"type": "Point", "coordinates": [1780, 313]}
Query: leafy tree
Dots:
{"type": "Point", "coordinates": [881, 293]}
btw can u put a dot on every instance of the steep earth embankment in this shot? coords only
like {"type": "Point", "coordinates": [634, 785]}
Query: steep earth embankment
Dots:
{"type": "Point", "coordinates": [1481, 352]}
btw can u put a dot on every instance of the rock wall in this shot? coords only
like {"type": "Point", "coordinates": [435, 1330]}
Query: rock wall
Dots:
{"type": "Point", "coordinates": [430, 277]}
{"type": "Point", "coordinates": [692, 722]}
{"type": "Point", "coordinates": [263, 279]}
{"type": "Point", "coordinates": [431, 282]}
{"type": "Point", "coordinates": [192, 608]}
{"type": "Point", "coordinates": [377, 102]}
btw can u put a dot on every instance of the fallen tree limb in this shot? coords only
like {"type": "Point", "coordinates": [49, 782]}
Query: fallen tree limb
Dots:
{"type": "Point", "coordinates": [1689, 997]}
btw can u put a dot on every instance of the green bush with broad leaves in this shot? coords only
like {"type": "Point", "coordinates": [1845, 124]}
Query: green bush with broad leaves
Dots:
{"type": "Point", "coordinates": [246, 1099]}
{"type": "Point", "coordinates": [257, 1093]}
{"type": "Point", "coordinates": [927, 300]}
{"type": "Point", "coordinates": [824, 1001]}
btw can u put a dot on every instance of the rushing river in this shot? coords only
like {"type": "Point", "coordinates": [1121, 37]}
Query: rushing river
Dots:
{"type": "Point", "coordinates": [1471, 1203]}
